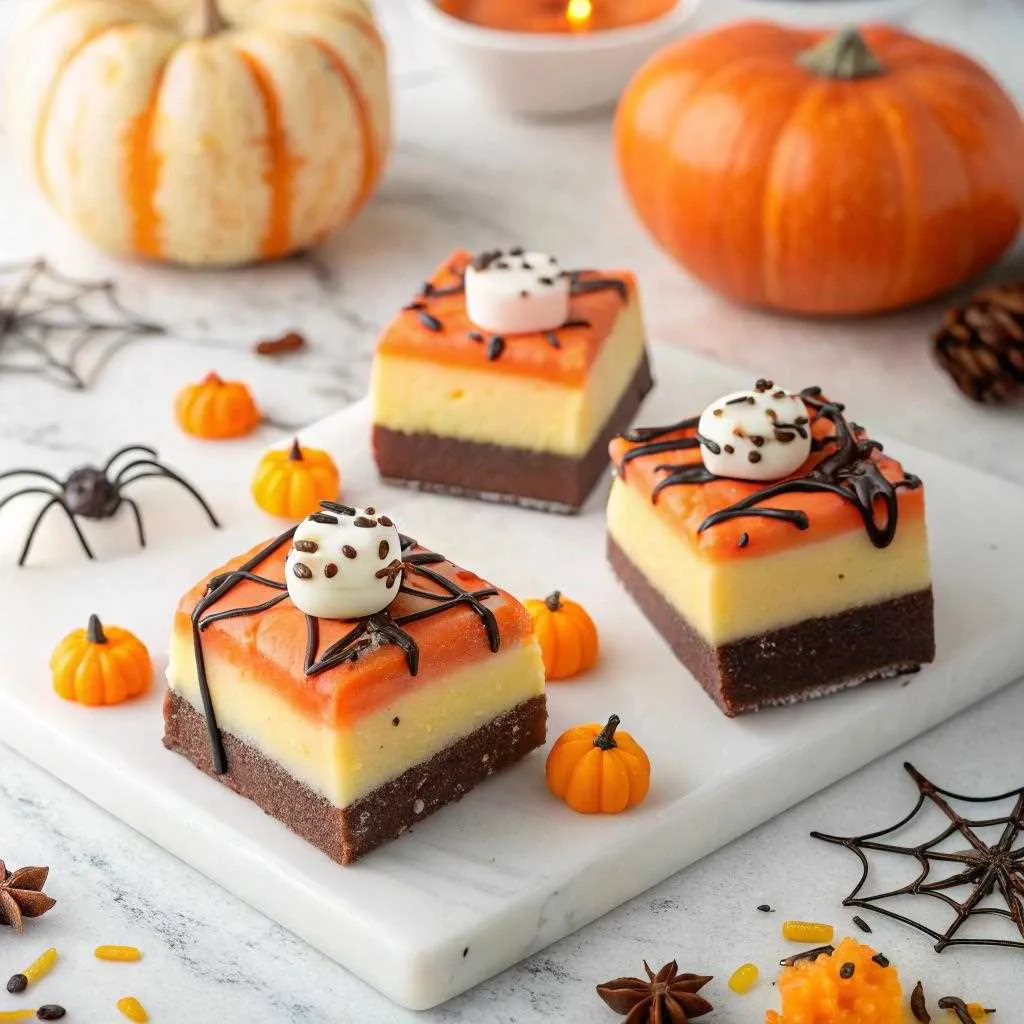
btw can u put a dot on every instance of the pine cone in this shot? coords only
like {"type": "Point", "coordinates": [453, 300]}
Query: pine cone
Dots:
{"type": "Point", "coordinates": [981, 344]}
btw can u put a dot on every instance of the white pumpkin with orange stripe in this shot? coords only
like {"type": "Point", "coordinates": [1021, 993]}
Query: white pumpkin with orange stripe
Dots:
{"type": "Point", "coordinates": [201, 132]}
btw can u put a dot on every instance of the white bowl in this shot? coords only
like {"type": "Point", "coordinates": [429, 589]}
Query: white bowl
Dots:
{"type": "Point", "coordinates": [543, 74]}
{"type": "Point", "coordinates": [830, 13]}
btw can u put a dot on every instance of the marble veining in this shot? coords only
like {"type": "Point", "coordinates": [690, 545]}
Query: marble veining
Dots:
{"type": "Point", "coordinates": [468, 179]}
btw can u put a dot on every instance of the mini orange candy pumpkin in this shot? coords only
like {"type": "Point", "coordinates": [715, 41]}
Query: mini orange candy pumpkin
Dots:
{"type": "Point", "coordinates": [100, 665]}
{"type": "Point", "coordinates": [566, 634]}
{"type": "Point", "coordinates": [849, 985]}
{"type": "Point", "coordinates": [598, 771]}
{"type": "Point", "coordinates": [216, 409]}
{"type": "Point", "coordinates": [822, 174]}
{"type": "Point", "coordinates": [291, 484]}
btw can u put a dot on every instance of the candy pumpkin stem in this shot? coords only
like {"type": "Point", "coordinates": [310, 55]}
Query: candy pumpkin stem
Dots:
{"type": "Point", "coordinates": [605, 739]}
{"type": "Point", "coordinates": [213, 377]}
{"type": "Point", "coordinates": [94, 634]}
{"type": "Point", "coordinates": [554, 600]}
{"type": "Point", "coordinates": [844, 54]}
{"type": "Point", "coordinates": [295, 455]}
{"type": "Point", "coordinates": [209, 21]}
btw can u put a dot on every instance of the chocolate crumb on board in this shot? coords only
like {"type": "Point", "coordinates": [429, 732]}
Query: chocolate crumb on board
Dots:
{"type": "Point", "coordinates": [857, 919]}
{"type": "Point", "coordinates": [919, 1006]}
{"type": "Point", "coordinates": [51, 1012]}
{"type": "Point", "coordinates": [291, 341]}
{"type": "Point", "coordinates": [959, 1008]}
{"type": "Point", "coordinates": [766, 908]}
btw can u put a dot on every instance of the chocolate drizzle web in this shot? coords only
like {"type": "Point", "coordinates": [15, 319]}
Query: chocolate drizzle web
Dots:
{"type": "Point", "coordinates": [982, 869]}
{"type": "Point", "coordinates": [496, 344]}
{"type": "Point", "coordinates": [368, 633]}
{"type": "Point", "coordinates": [847, 471]}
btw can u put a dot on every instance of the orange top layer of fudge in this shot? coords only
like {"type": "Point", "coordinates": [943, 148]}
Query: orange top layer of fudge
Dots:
{"type": "Point", "coordinates": [271, 644]}
{"type": "Point", "coordinates": [524, 355]}
{"type": "Point", "coordinates": [686, 506]}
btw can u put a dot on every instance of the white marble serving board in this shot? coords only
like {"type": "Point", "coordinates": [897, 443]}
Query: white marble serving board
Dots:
{"type": "Point", "coordinates": [508, 870]}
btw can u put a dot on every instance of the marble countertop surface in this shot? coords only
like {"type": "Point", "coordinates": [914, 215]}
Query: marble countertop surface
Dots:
{"type": "Point", "coordinates": [461, 177]}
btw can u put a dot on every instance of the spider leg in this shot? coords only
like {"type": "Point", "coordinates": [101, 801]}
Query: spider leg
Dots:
{"type": "Point", "coordinates": [144, 449]}
{"type": "Point", "coordinates": [32, 472]}
{"type": "Point", "coordinates": [23, 492]}
{"type": "Point", "coordinates": [134, 506]}
{"type": "Point", "coordinates": [162, 470]}
{"type": "Point", "coordinates": [54, 502]}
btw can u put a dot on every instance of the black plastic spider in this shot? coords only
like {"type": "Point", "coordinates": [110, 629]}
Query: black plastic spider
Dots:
{"type": "Point", "coordinates": [93, 493]}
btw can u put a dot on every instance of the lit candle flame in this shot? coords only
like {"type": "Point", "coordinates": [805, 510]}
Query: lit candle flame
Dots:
{"type": "Point", "coordinates": [578, 12]}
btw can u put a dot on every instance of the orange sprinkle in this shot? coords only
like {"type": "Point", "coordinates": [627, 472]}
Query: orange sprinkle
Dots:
{"type": "Point", "coordinates": [118, 954]}
{"type": "Point", "coordinates": [807, 931]}
{"type": "Point", "coordinates": [133, 1009]}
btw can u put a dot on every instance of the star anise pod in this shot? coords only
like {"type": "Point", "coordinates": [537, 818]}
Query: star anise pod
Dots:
{"type": "Point", "coordinates": [667, 997]}
{"type": "Point", "coordinates": [21, 895]}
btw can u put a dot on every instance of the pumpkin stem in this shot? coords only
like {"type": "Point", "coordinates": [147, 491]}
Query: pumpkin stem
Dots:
{"type": "Point", "coordinates": [208, 21]}
{"type": "Point", "coordinates": [844, 54]}
{"type": "Point", "coordinates": [295, 455]}
{"type": "Point", "coordinates": [554, 600]}
{"type": "Point", "coordinates": [94, 634]}
{"type": "Point", "coordinates": [213, 377]}
{"type": "Point", "coordinates": [605, 739]}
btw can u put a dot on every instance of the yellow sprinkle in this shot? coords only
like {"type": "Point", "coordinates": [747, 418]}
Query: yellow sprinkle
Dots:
{"type": "Point", "coordinates": [743, 979]}
{"type": "Point", "coordinates": [807, 931]}
{"type": "Point", "coordinates": [17, 1014]}
{"type": "Point", "coordinates": [41, 966]}
{"type": "Point", "coordinates": [132, 1009]}
{"type": "Point", "coordinates": [977, 1011]}
{"type": "Point", "coordinates": [121, 954]}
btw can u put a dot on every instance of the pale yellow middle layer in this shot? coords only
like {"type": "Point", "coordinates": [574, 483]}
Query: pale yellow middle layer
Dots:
{"type": "Point", "coordinates": [728, 600]}
{"type": "Point", "coordinates": [418, 396]}
{"type": "Point", "coordinates": [344, 764]}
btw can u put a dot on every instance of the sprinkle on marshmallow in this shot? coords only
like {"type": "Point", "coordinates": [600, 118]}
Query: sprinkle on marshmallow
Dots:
{"type": "Point", "coordinates": [517, 292]}
{"type": "Point", "coordinates": [763, 434]}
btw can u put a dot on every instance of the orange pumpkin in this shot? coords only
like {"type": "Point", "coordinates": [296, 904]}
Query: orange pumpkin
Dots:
{"type": "Point", "coordinates": [215, 409]}
{"type": "Point", "coordinates": [822, 174]}
{"type": "Point", "coordinates": [100, 665]}
{"type": "Point", "coordinates": [596, 770]}
{"type": "Point", "coordinates": [292, 483]}
{"type": "Point", "coordinates": [566, 634]}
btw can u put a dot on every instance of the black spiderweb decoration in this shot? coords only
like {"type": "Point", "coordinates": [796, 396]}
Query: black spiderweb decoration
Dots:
{"type": "Point", "coordinates": [368, 633]}
{"type": "Point", "coordinates": [61, 328]}
{"type": "Point", "coordinates": [980, 869]}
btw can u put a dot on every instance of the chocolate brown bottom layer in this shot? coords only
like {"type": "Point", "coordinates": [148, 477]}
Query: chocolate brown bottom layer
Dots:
{"type": "Point", "coordinates": [518, 476]}
{"type": "Point", "coordinates": [796, 663]}
{"type": "Point", "coordinates": [345, 834]}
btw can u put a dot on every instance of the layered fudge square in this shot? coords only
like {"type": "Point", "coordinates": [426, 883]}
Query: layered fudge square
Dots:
{"type": "Point", "coordinates": [780, 553]}
{"type": "Point", "coordinates": [506, 377]}
{"type": "Point", "coordinates": [350, 682]}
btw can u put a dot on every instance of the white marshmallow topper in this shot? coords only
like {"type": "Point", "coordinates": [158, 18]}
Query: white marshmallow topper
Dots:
{"type": "Point", "coordinates": [517, 292]}
{"type": "Point", "coordinates": [762, 434]}
{"type": "Point", "coordinates": [344, 563]}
